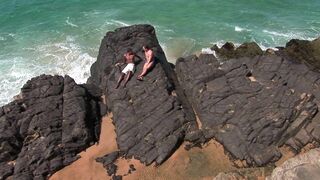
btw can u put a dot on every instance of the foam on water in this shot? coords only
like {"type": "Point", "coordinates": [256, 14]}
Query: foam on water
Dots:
{"type": "Point", "coordinates": [119, 23]}
{"type": "Point", "coordinates": [208, 51]}
{"type": "Point", "coordinates": [61, 58]}
{"type": "Point", "coordinates": [70, 23]}
{"type": "Point", "coordinates": [240, 29]}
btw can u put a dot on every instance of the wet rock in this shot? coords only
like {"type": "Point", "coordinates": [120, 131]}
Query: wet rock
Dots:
{"type": "Point", "coordinates": [252, 105]}
{"type": "Point", "coordinates": [43, 131]}
{"type": "Point", "coordinates": [229, 51]}
{"type": "Point", "coordinates": [150, 122]}
{"type": "Point", "coordinates": [304, 166]}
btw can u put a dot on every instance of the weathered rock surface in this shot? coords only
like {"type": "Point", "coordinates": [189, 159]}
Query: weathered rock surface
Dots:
{"type": "Point", "coordinates": [253, 105]}
{"type": "Point", "coordinates": [304, 51]}
{"type": "Point", "coordinates": [150, 120]}
{"type": "Point", "coordinates": [301, 167]}
{"type": "Point", "coordinates": [42, 131]}
{"type": "Point", "coordinates": [229, 51]}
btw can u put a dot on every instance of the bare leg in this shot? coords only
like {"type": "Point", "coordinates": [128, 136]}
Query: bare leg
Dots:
{"type": "Point", "coordinates": [119, 81]}
{"type": "Point", "coordinates": [127, 78]}
{"type": "Point", "coordinates": [146, 67]}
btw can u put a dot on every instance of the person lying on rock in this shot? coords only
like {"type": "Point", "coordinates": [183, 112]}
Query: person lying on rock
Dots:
{"type": "Point", "coordinates": [128, 71]}
{"type": "Point", "coordinates": [149, 61]}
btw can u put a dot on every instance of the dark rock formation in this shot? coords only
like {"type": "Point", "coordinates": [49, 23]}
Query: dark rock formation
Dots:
{"type": "Point", "coordinates": [253, 105]}
{"type": "Point", "coordinates": [304, 51]}
{"type": "Point", "coordinates": [108, 162]}
{"type": "Point", "coordinates": [150, 120]}
{"type": "Point", "coordinates": [229, 51]}
{"type": "Point", "coordinates": [42, 131]}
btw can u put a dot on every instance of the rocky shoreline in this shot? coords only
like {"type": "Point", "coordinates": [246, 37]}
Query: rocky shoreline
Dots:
{"type": "Point", "coordinates": [252, 102]}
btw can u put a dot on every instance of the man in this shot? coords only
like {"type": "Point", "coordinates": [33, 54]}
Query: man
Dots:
{"type": "Point", "coordinates": [149, 61]}
{"type": "Point", "coordinates": [127, 72]}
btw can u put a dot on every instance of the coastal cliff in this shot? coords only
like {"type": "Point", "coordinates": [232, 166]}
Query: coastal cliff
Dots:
{"type": "Point", "coordinates": [252, 102]}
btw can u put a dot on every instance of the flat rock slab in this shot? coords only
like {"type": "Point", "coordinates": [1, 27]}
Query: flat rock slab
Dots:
{"type": "Point", "coordinates": [304, 166]}
{"type": "Point", "coordinates": [150, 122]}
{"type": "Point", "coordinates": [253, 105]}
{"type": "Point", "coordinates": [42, 131]}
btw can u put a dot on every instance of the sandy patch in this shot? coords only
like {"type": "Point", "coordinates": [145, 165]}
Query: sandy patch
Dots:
{"type": "Point", "coordinates": [197, 163]}
{"type": "Point", "coordinates": [86, 168]}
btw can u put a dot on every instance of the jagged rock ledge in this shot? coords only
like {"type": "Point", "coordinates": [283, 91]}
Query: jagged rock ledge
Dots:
{"type": "Point", "coordinates": [253, 103]}
{"type": "Point", "coordinates": [151, 117]}
{"type": "Point", "coordinates": [49, 123]}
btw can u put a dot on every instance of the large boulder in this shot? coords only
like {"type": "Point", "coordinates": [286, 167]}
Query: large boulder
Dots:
{"type": "Point", "coordinates": [301, 167]}
{"type": "Point", "coordinates": [304, 51]}
{"type": "Point", "coordinates": [229, 50]}
{"type": "Point", "coordinates": [51, 120]}
{"type": "Point", "coordinates": [151, 117]}
{"type": "Point", "coordinates": [253, 105]}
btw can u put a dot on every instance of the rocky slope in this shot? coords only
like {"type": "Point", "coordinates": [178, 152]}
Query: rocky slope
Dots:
{"type": "Point", "coordinates": [253, 105]}
{"type": "Point", "coordinates": [150, 120]}
{"type": "Point", "coordinates": [42, 131]}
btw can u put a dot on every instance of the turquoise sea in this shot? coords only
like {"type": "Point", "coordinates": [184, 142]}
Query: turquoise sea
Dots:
{"type": "Point", "coordinates": [63, 36]}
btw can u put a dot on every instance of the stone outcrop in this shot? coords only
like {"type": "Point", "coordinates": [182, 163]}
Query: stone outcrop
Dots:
{"type": "Point", "coordinates": [304, 51]}
{"type": "Point", "coordinates": [304, 166]}
{"type": "Point", "coordinates": [150, 118]}
{"type": "Point", "coordinates": [51, 120]}
{"type": "Point", "coordinates": [229, 51]}
{"type": "Point", "coordinates": [253, 105]}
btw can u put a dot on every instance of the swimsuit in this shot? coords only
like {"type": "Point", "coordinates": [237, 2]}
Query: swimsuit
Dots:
{"type": "Point", "coordinates": [129, 67]}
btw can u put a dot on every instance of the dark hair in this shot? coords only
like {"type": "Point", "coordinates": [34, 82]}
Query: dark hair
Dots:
{"type": "Point", "coordinates": [146, 46]}
{"type": "Point", "coordinates": [129, 50]}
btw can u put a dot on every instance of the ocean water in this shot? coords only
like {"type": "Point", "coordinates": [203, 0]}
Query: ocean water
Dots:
{"type": "Point", "coordinates": [63, 37]}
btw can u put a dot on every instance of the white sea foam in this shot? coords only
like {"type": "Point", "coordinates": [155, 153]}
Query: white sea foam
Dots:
{"type": "Point", "coordinates": [59, 58]}
{"type": "Point", "coordinates": [207, 51]}
{"type": "Point", "coordinates": [6, 36]}
{"type": "Point", "coordinates": [120, 23]}
{"type": "Point", "coordinates": [168, 30]}
{"type": "Point", "coordinates": [287, 35]}
{"type": "Point", "coordinates": [70, 23]}
{"type": "Point", "coordinates": [240, 29]}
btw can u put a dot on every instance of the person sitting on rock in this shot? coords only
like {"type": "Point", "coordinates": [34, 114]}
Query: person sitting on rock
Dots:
{"type": "Point", "coordinates": [149, 61]}
{"type": "Point", "coordinates": [128, 70]}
